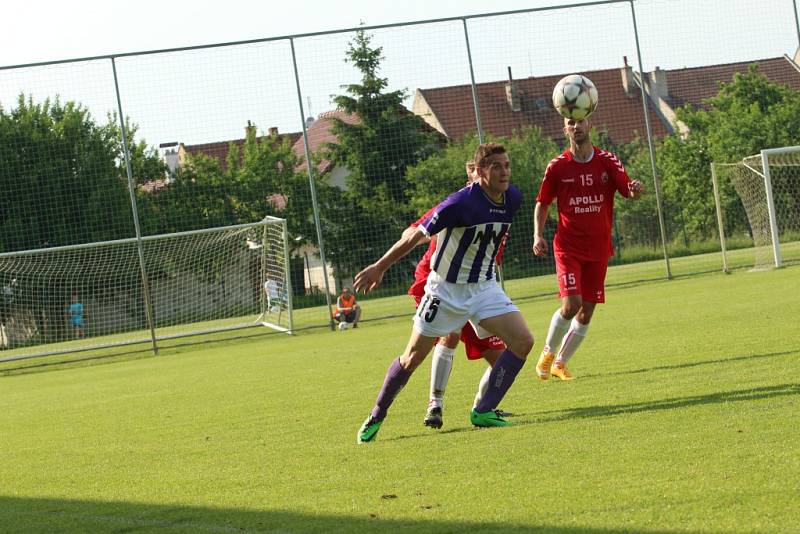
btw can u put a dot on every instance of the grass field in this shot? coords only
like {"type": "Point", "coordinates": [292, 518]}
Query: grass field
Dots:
{"type": "Point", "coordinates": [683, 418]}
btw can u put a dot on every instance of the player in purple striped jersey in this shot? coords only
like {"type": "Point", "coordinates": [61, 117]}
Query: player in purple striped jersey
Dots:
{"type": "Point", "coordinates": [462, 286]}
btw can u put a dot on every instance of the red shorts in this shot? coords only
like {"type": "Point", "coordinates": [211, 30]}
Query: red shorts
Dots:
{"type": "Point", "coordinates": [474, 345]}
{"type": "Point", "coordinates": [584, 278]}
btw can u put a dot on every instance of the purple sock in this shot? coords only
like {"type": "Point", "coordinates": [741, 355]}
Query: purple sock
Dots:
{"type": "Point", "coordinates": [396, 378]}
{"type": "Point", "coordinates": [503, 374]}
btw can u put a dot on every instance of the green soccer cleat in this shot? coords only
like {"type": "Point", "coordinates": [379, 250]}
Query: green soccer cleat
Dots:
{"type": "Point", "coordinates": [368, 430]}
{"type": "Point", "coordinates": [487, 419]}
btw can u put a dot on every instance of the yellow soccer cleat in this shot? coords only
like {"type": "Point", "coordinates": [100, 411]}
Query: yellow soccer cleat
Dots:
{"type": "Point", "coordinates": [544, 364]}
{"type": "Point", "coordinates": [560, 370]}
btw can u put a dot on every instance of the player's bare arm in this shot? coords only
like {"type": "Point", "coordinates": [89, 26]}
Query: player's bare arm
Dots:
{"type": "Point", "coordinates": [635, 188]}
{"type": "Point", "coordinates": [411, 230]}
{"type": "Point", "coordinates": [540, 246]}
{"type": "Point", "coordinates": [370, 278]}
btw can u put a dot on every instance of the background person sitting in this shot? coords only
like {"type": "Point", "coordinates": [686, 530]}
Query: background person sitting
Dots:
{"type": "Point", "coordinates": [347, 310]}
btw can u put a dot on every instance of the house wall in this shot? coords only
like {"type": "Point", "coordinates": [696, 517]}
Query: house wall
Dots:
{"type": "Point", "coordinates": [313, 273]}
{"type": "Point", "coordinates": [337, 177]}
{"type": "Point", "coordinates": [421, 108]}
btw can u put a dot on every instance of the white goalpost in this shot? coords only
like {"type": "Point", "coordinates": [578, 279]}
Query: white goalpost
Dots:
{"type": "Point", "coordinates": [768, 187]}
{"type": "Point", "coordinates": [75, 298]}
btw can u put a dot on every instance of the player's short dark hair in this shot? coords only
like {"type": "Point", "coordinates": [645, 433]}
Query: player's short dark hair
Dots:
{"type": "Point", "coordinates": [485, 150]}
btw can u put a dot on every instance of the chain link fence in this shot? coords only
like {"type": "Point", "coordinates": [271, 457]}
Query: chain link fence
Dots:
{"type": "Point", "coordinates": [351, 135]}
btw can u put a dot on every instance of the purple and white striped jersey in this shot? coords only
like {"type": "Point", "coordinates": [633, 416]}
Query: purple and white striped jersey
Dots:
{"type": "Point", "coordinates": [472, 227]}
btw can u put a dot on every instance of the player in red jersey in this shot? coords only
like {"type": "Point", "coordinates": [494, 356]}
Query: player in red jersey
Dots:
{"type": "Point", "coordinates": [488, 348]}
{"type": "Point", "coordinates": [583, 181]}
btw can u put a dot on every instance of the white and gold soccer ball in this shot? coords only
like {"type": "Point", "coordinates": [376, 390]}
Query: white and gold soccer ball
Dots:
{"type": "Point", "coordinates": [343, 326]}
{"type": "Point", "coordinates": [575, 97]}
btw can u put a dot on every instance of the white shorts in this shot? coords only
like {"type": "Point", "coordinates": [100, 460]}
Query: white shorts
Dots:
{"type": "Point", "coordinates": [446, 307]}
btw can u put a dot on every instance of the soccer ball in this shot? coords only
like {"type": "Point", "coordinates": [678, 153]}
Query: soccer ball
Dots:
{"type": "Point", "coordinates": [344, 326]}
{"type": "Point", "coordinates": [575, 97]}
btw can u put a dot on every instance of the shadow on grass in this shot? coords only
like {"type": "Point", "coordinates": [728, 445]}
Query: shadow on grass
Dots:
{"type": "Point", "coordinates": [752, 394]}
{"type": "Point", "coordinates": [54, 515]}
{"type": "Point", "coordinates": [586, 412]}
{"type": "Point", "coordinates": [687, 365]}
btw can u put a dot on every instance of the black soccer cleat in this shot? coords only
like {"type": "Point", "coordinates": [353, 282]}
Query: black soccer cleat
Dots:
{"type": "Point", "coordinates": [433, 418]}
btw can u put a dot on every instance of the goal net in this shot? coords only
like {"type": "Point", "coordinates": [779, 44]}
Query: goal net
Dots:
{"type": "Point", "coordinates": [81, 297]}
{"type": "Point", "coordinates": [763, 204]}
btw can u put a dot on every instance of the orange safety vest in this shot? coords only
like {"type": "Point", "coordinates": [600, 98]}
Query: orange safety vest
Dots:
{"type": "Point", "coordinates": [345, 302]}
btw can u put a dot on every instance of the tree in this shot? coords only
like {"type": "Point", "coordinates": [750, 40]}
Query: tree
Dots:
{"type": "Point", "coordinates": [748, 114]}
{"type": "Point", "coordinates": [64, 182]}
{"type": "Point", "coordinates": [368, 216]}
{"type": "Point", "coordinates": [62, 175]}
{"type": "Point", "coordinates": [257, 180]}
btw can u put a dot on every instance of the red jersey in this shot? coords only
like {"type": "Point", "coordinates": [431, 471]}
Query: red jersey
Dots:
{"type": "Point", "coordinates": [585, 199]}
{"type": "Point", "coordinates": [424, 266]}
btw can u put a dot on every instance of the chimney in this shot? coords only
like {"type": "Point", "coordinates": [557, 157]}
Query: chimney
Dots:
{"type": "Point", "coordinates": [309, 122]}
{"type": "Point", "coordinates": [513, 94]}
{"type": "Point", "coordinates": [249, 130]}
{"type": "Point", "coordinates": [658, 83]}
{"type": "Point", "coordinates": [628, 82]}
{"type": "Point", "coordinates": [273, 131]}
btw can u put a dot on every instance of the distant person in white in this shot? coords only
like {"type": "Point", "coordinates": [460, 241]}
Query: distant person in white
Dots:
{"type": "Point", "coordinates": [274, 297]}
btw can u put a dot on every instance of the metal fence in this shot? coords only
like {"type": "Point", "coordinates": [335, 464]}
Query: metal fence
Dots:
{"type": "Point", "coordinates": [308, 128]}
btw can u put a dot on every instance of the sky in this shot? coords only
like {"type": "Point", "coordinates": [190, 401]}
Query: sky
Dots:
{"type": "Point", "coordinates": [84, 28]}
{"type": "Point", "coordinates": [209, 95]}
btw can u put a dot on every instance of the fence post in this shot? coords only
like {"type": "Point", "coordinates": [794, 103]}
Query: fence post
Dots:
{"type": "Point", "coordinates": [656, 184]}
{"type": "Point", "coordinates": [148, 308]}
{"type": "Point", "coordinates": [475, 102]}
{"type": "Point", "coordinates": [720, 223]}
{"type": "Point", "coordinates": [312, 184]}
{"type": "Point", "coordinates": [796, 23]}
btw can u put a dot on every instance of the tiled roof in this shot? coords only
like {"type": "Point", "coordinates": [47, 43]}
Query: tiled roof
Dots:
{"type": "Point", "coordinates": [617, 112]}
{"type": "Point", "coordinates": [153, 185]}
{"type": "Point", "coordinates": [696, 84]}
{"type": "Point", "coordinates": [219, 149]}
{"type": "Point", "coordinates": [319, 133]}
{"type": "Point", "coordinates": [620, 114]}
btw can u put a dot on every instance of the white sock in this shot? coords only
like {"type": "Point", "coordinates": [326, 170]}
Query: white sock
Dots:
{"type": "Point", "coordinates": [572, 340]}
{"type": "Point", "coordinates": [558, 327]}
{"type": "Point", "coordinates": [441, 365]}
{"type": "Point", "coordinates": [483, 385]}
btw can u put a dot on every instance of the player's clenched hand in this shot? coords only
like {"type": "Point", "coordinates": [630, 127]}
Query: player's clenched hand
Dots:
{"type": "Point", "coordinates": [635, 187]}
{"type": "Point", "coordinates": [368, 279]}
{"type": "Point", "coordinates": [539, 245]}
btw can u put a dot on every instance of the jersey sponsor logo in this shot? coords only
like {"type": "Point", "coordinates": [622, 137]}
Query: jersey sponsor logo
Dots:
{"type": "Point", "coordinates": [568, 180]}
{"type": "Point", "coordinates": [587, 209]}
{"type": "Point", "coordinates": [492, 210]}
{"type": "Point", "coordinates": [587, 199]}
{"type": "Point", "coordinates": [604, 177]}
{"type": "Point", "coordinates": [488, 236]}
